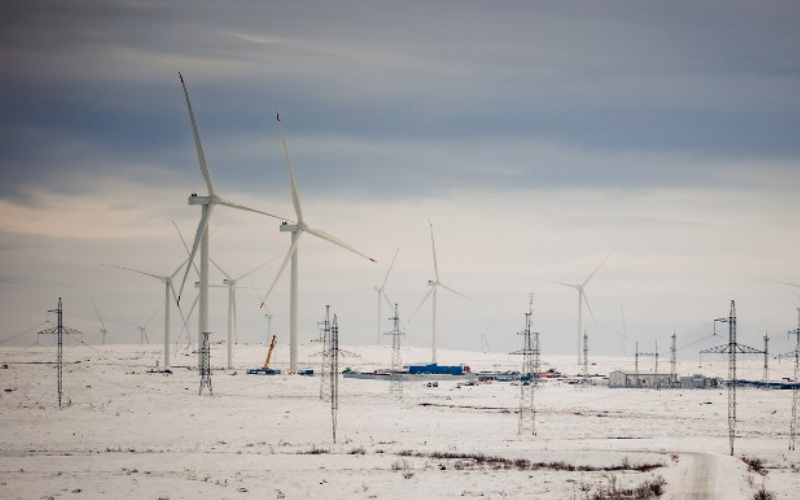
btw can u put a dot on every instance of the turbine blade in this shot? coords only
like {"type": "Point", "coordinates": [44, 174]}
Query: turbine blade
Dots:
{"type": "Point", "coordinates": [390, 269]}
{"type": "Point", "coordinates": [231, 204]}
{"type": "Point", "coordinates": [197, 239]}
{"type": "Point", "coordinates": [433, 245]}
{"type": "Point", "coordinates": [783, 283]}
{"type": "Point", "coordinates": [220, 269]}
{"type": "Point", "coordinates": [558, 283]}
{"type": "Point", "coordinates": [325, 236]}
{"type": "Point", "coordinates": [151, 317]}
{"type": "Point", "coordinates": [248, 273]}
{"type": "Point", "coordinates": [386, 298]}
{"type": "Point", "coordinates": [420, 304]}
{"type": "Point", "coordinates": [460, 294]}
{"type": "Point", "coordinates": [135, 271]}
{"type": "Point", "coordinates": [98, 314]}
{"type": "Point", "coordinates": [200, 155]}
{"type": "Point", "coordinates": [586, 301]}
{"type": "Point", "coordinates": [598, 268]}
{"type": "Point", "coordinates": [188, 252]}
{"type": "Point", "coordinates": [295, 197]}
{"type": "Point", "coordinates": [289, 254]}
{"type": "Point", "coordinates": [186, 327]}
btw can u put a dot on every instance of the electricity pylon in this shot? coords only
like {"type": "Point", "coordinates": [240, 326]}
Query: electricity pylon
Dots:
{"type": "Point", "coordinates": [731, 349]}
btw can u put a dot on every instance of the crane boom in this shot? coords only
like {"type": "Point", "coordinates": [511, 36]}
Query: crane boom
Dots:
{"type": "Point", "coordinates": [269, 354]}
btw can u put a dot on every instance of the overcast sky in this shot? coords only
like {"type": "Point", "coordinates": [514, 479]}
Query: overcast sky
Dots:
{"type": "Point", "coordinates": [537, 137]}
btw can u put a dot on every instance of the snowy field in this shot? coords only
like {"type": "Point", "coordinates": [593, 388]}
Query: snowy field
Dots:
{"type": "Point", "coordinates": [124, 432]}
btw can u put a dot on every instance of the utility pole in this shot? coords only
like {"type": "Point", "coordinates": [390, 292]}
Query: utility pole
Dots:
{"type": "Point", "coordinates": [731, 349]}
{"type": "Point", "coordinates": [396, 376]}
{"type": "Point", "coordinates": [636, 366]}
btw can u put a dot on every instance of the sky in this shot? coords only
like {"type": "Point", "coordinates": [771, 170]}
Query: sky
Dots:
{"type": "Point", "coordinates": [538, 138]}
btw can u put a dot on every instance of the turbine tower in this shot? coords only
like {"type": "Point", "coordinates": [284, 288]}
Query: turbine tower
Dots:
{"type": "Point", "coordinates": [231, 285]}
{"type": "Point", "coordinates": [580, 287]}
{"type": "Point", "coordinates": [169, 288]}
{"type": "Point", "coordinates": [435, 284]}
{"type": "Point", "coordinates": [382, 295]}
{"type": "Point", "coordinates": [297, 231]}
{"type": "Point", "coordinates": [201, 236]}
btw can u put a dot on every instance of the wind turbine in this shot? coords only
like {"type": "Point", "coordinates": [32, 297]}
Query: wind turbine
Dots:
{"type": "Point", "coordinates": [580, 287]}
{"type": "Point", "coordinates": [297, 231]}
{"type": "Point", "coordinates": [230, 284]}
{"type": "Point", "coordinates": [484, 341]}
{"type": "Point", "coordinates": [143, 328]}
{"type": "Point", "coordinates": [382, 295]}
{"type": "Point", "coordinates": [103, 329]}
{"type": "Point", "coordinates": [169, 288]}
{"type": "Point", "coordinates": [435, 284]}
{"type": "Point", "coordinates": [201, 237]}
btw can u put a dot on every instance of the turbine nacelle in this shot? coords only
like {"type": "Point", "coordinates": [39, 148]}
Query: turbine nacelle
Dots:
{"type": "Point", "coordinates": [194, 199]}
{"type": "Point", "coordinates": [432, 283]}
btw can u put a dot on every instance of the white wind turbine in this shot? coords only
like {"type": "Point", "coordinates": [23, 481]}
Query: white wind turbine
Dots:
{"type": "Point", "coordinates": [231, 285]}
{"type": "Point", "coordinates": [201, 237]}
{"type": "Point", "coordinates": [297, 231]}
{"type": "Point", "coordinates": [580, 287]}
{"type": "Point", "coordinates": [169, 288]}
{"type": "Point", "coordinates": [435, 284]}
{"type": "Point", "coordinates": [143, 328]}
{"type": "Point", "coordinates": [103, 329]}
{"type": "Point", "coordinates": [382, 296]}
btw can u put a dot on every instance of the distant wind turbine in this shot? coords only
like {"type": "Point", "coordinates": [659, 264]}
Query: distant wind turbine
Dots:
{"type": "Point", "coordinates": [382, 296]}
{"type": "Point", "coordinates": [201, 237]}
{"type": "Point", "coordinates": [231, 285]}
{"type": "Point", "coordinates": [169, 288]}
{"type": "Point", "coordinates": [484, 341]}
{"type": "Point", "coordinates": [435, 284]}
{"type": "Point", "coordinates": [580, 287]}
{"type": "Point", "coordinates": [103, 329]}
{"type": "Point", "coordinates": [297, 231]}
{"type": "Point", "coordinates": [143, 328]}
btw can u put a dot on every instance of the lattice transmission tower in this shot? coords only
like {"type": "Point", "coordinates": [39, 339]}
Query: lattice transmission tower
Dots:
{"type": "Point", "coordinates": [396, 375]}
{"type": "Point", "coordinates": [766, 360]}
{"type": "Point", "coordinates": [205, 363]}
{"type": "Point", "coordinates": [324, 372]}
{"type": "Point", "coordinates": [59, 331]}
{"type": "Point", "coordinates": [731, 349]}
{"type": "Point", "coordinates": [793, 423]}
{"type": "Point", "coordinates": [673, 361]}
{"type": "Point", "coordinates": [529, 375]}
{"type": "Point", "coordinates": [585, 360]}
{"type": "Point", "coordinates": [333, 355]}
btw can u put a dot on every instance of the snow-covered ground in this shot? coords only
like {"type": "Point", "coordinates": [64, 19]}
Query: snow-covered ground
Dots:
{"type": "Point", "coordinates": [124, 432]}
